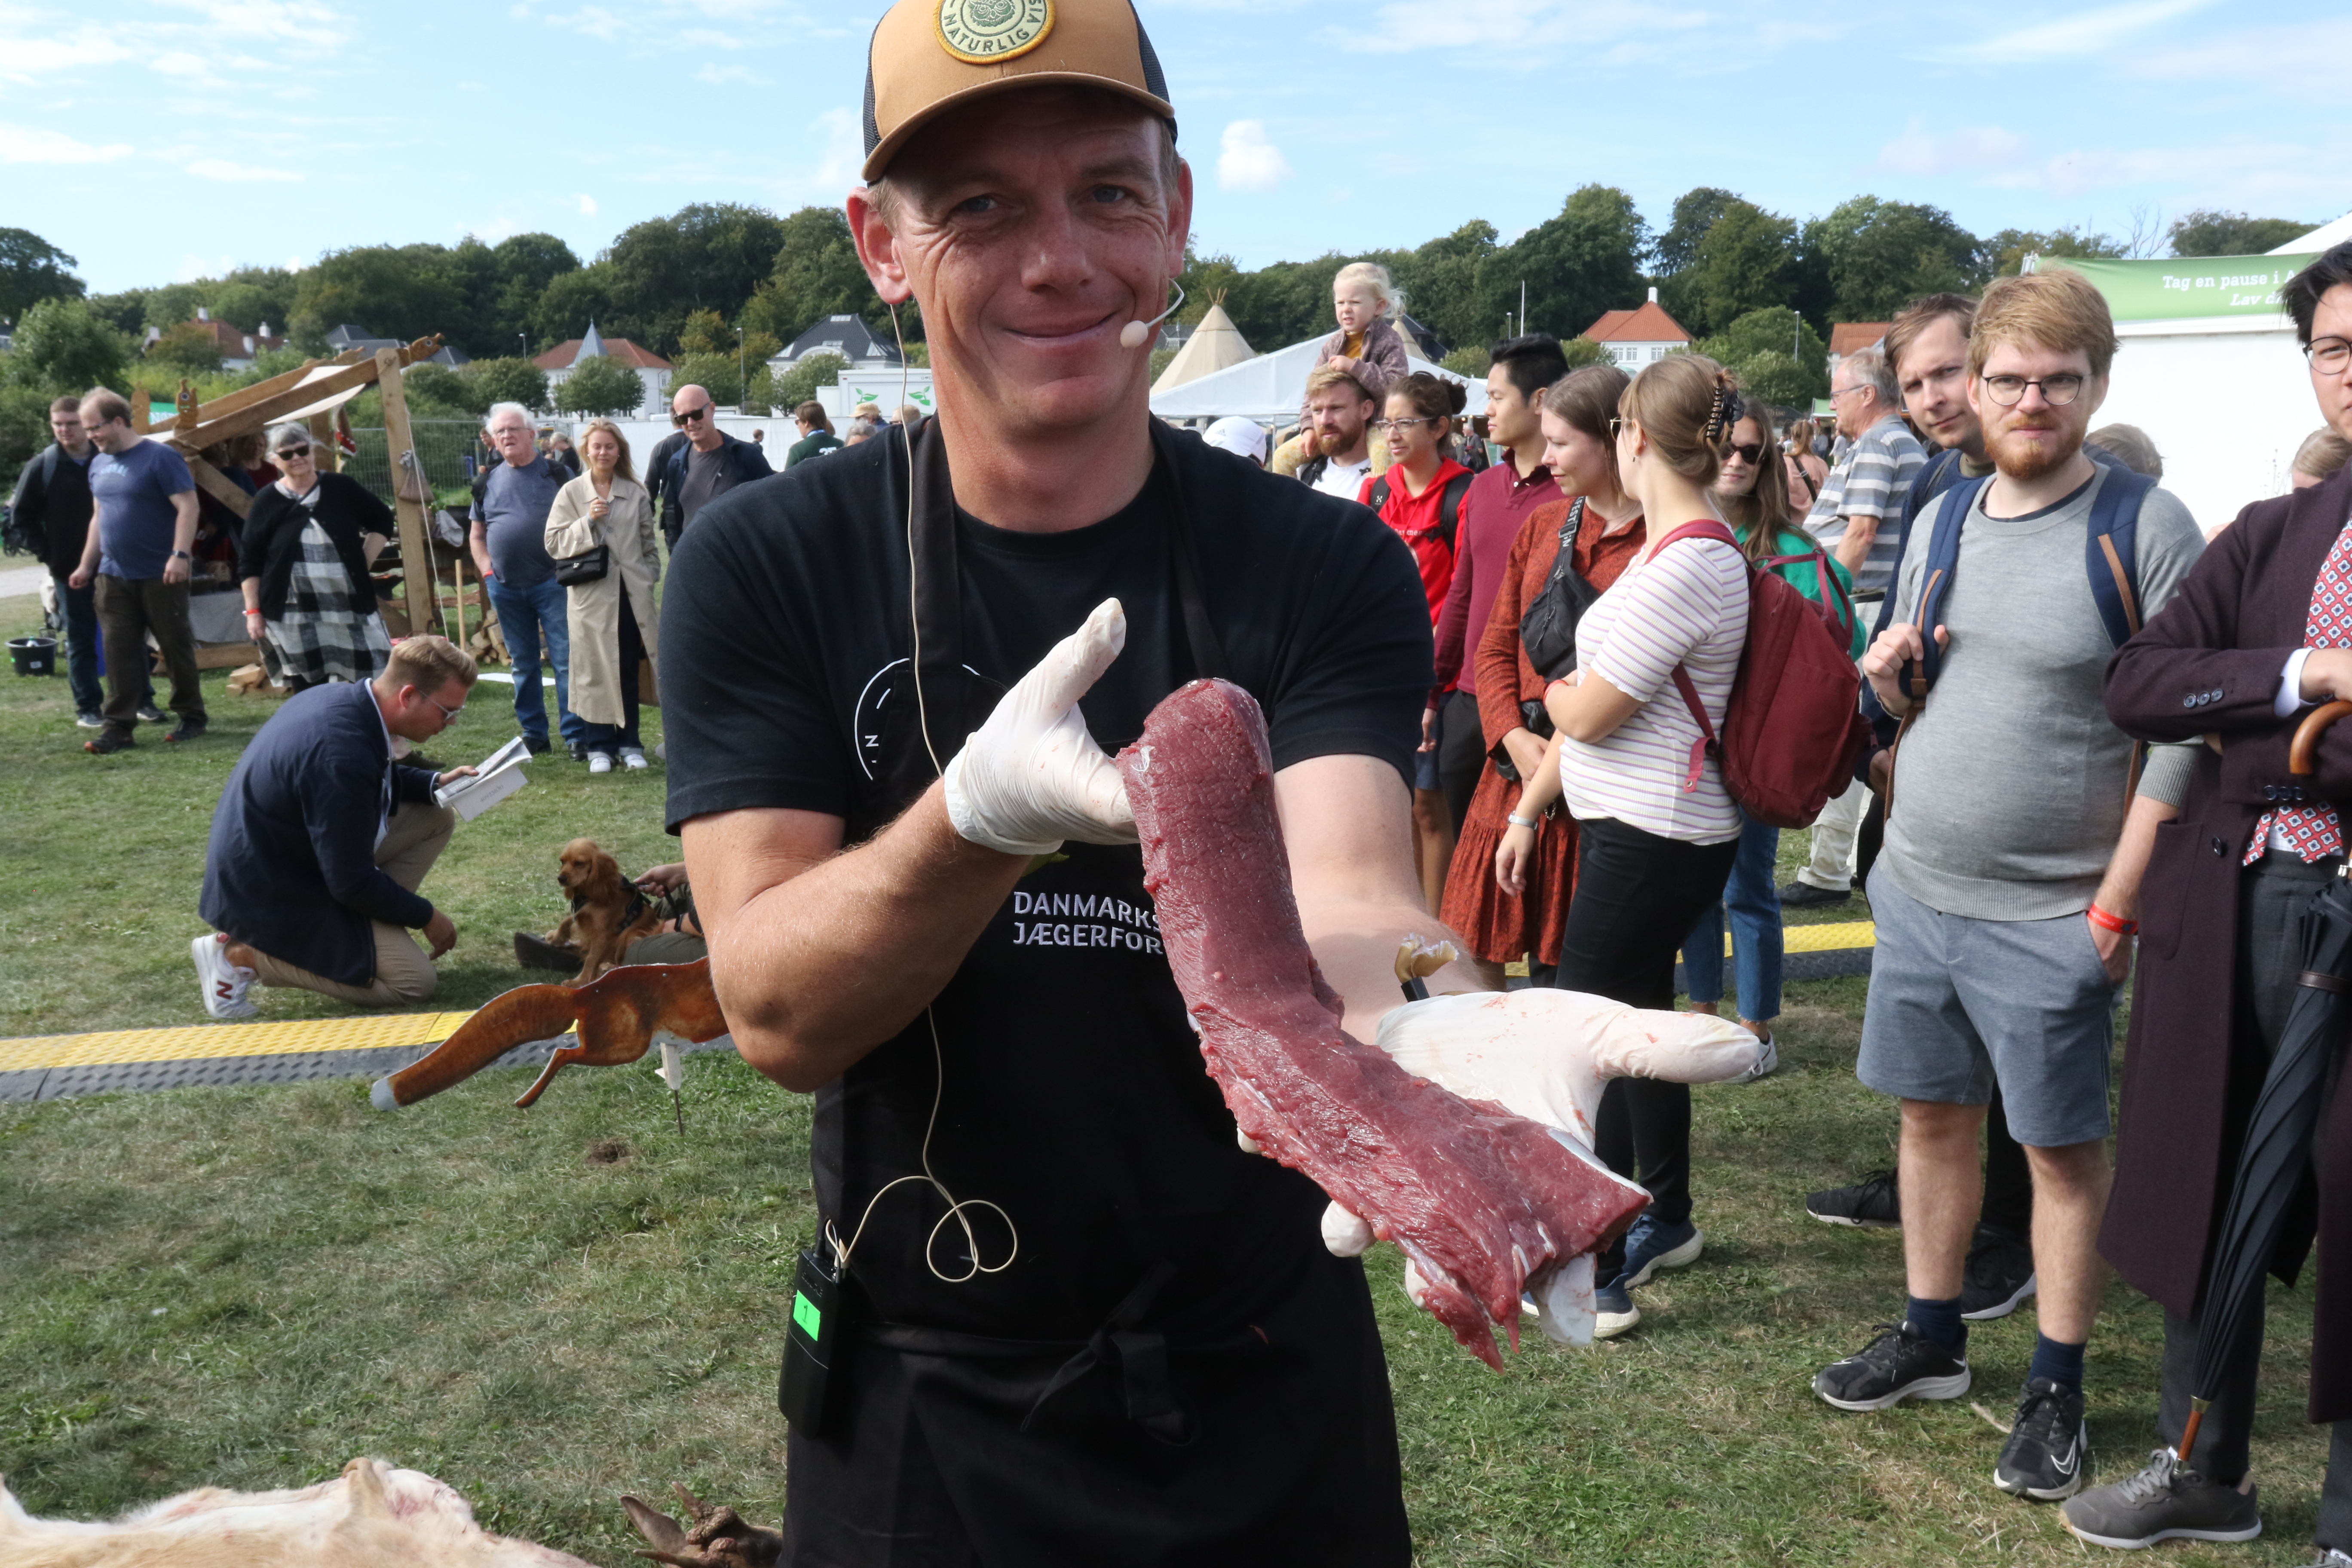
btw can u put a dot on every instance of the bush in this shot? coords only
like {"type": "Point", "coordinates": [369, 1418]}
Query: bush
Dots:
{"type": "Point", "coordinates": [188, 348]}
{"type": "Point", "coordinates": [508, 380]}
{"type": "Point", "coordinates": [437, 386]}
{"type": "Point", "coordinates": [601, 386]}
{"type": "Point", "coordinates": [1581, 351]}
{"type": "Point", "coordinates": [799, 384]}
{"type": "Point", "coordinates": [62, 346]}
{"type": "Point", "coordinates": [1469, 360]}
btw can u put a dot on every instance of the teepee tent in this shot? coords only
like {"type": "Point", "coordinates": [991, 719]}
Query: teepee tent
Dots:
{"type": "Point", "coordinates": [1215, 343]}
{"type": "Point", "coordinates": [1269, 387]}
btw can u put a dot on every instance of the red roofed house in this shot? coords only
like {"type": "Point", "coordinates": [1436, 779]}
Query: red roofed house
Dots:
{"type": "Point", "coordinates": [1640, 336]}
{"type": "Point", "coordinates": [651, 368]}
{"type": "Point", "coordinates": [236, 345]}
{"type": "Point", "coordinates": [1847, 336]}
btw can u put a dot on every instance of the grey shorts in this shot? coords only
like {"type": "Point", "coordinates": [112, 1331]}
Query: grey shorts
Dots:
{"type": "Point", "coordinates": [1956, 1005]}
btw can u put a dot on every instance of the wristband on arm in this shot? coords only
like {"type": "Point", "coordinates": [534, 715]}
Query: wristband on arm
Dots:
{"type": "Point", "coordinates": [2106, 922]}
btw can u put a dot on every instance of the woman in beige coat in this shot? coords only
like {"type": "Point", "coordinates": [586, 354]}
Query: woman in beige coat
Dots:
{"type": "Point", "coordinates": [612, 618]}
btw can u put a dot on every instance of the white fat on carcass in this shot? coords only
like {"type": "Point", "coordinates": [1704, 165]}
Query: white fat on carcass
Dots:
{"type": "Point", "coordinates": [371, 1516]}
{"type": "Point", "coordinates": [1546, 1054]}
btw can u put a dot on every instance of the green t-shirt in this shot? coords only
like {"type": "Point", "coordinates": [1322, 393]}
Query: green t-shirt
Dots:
{"type": "Point", "coordinates": [810, 446]}
{"type": "Point", "coordinates": [1802, 577]}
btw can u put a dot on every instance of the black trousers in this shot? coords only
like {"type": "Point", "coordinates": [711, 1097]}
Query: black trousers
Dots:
{"type": "Point", "coordinates": [1461, 753]}
{"type": "Point", "coordinates": [2272, 895]}
{"type": "Point", "coordinates": [1636, 896]}
{"type": "Point", "coordinates": [128, 609]}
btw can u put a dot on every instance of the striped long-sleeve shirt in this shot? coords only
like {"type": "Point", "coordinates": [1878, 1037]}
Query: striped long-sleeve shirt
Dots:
{"type": "Point", "coordinates": [1686, 605]}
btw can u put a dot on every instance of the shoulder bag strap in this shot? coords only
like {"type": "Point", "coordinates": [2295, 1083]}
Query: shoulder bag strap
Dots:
{"type": "Point", "coordinates": [1379, 493]}
{"type": "Point", "coordinates": [2111, 552]}
{"type": "Point", "coordinates": [1208, 649]}
{"type": "Point", "coordinates": [1936, 583]}
{"type": "Point", "coordinates": [1449, 508]}
{"type": "Point", "coordinates": [1704, 528]}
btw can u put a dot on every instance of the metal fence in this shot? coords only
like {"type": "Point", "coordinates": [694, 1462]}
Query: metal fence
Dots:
{"type": "Point", "coordinates": [441, 444]}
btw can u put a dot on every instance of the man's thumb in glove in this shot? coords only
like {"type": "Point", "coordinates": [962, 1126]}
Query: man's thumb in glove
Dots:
{"type": "Point", "coordinates": [1078, 660]}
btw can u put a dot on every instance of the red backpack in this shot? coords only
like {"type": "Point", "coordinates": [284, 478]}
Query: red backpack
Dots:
{"type": "Point", "coordinates": [1794, 724]}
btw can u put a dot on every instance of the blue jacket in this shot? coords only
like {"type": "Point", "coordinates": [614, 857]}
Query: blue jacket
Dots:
{"type": "Point", "coordinates": [291, 866]}
{"type": "Point", "coordinates": [744, 460]}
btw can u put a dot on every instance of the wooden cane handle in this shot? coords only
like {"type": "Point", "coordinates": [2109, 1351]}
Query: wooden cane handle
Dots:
{"type": "Point", "coordinates": [2301, 759]}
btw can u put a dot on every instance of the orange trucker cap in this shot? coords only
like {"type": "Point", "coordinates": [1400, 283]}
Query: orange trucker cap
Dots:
{"type": "Point", "coordinates": [927, 56]}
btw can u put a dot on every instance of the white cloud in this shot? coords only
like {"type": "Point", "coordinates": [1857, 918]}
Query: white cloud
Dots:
{"type": "Point", "coordinates": [2090, 32]}
{"type": "Point", "coordinates": [1968, 150]}
{"type": "Point", "coordinates": [587, 205]}
{"type": "Point", "coordinates": [32, 144]}
{"type": "Point", "coordinates": [251, 22]}
{"type": "Point", "coordinates": [1248, 161]}
{"type": "Point", "coordinates": [239, 174]}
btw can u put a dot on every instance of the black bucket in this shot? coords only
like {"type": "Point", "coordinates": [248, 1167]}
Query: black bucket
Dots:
{"type": "Point", "coordinates": [34, 656]}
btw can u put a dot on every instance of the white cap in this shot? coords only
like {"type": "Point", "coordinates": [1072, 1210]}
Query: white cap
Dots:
{"type": "Point", "coordinates": [1243, 438]}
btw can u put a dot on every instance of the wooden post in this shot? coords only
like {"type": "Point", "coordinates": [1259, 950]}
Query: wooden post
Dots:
{"type": "Point", "coordinates": [416, 573]}
{"type": "Point", "coordinates": [138, 409]}
{"type": "Point", "coordinates": [323, 443]}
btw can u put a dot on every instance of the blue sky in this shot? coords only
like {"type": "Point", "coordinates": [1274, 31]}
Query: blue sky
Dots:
{"type": "Point", "coordinates": [157, 139]}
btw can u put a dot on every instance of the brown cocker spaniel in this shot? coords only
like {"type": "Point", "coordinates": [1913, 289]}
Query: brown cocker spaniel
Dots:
{"type": "Point", "coordinates": [607, 913]}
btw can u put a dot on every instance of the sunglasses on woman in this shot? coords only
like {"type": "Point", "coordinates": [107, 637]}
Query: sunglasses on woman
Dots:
{"type": "Point", "coordinates": [1748, 452]}
{"type": "Point", "coordinates": [293, 451]}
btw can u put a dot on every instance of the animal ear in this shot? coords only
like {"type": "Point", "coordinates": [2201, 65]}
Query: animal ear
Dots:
{"type": "Point", "coordinates": [660, 1531]}
{"type": "Point", "coordinates": [363, 1490]}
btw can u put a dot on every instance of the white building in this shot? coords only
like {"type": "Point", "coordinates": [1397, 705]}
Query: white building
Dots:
{"type": "Point", "coordinates": [651, 368]}
{"type": "Point", "coordinates": [847, 336]}
{"type": "Point", "coordinates": [1640, 336]}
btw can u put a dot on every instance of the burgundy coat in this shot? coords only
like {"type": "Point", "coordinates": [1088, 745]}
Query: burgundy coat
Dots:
{"type": "Point", "coordinates": [2209, 663]}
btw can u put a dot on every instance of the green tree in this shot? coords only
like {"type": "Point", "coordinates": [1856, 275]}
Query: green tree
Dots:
{"type": "Point", "coordinates": [815, 274]}
{"type": "Point", "coordinates": [1439, 279]}
{"type": "Point", "coordinates": [1285, 303]}
{"type": "Point", "coordinates": [601, 385]}
{"type": "Point", "coordinates": [1876, 255]}
{"type": "Point", "coordinates": [1581, 351]}
{"type": "Point", "coordinates": [798, 385]}
{"type": "Point", "coordinates": [1746, 259]}
{"type": "Point", "coordinates": [251, 296]}
{"type": "Point", "coordinates": [709, 256]}
{"type": "Point", "coordinates": [523, 268]}
{"type": "Point", "coordinates": [126, 312]}
{"type": "Point", "coordinates": [188, 348]}
{"type": "Point", "coordinates": [63, 345]}
{"type": "Point", "coordinates": [1576, 265]}
{"type": "Point", "coordinates": [1696, 211]}
{"type": "Point", "coordinates": [1471, 360]}
{"type": "Point", "coordinates": [32, 270]}
{"type": "Point", "coordinates": [570, 301]}
{"type": "Point", "coordinates": [443, 388]}
{"type": "Point", "coordinates": [394, 292]}
{"type": "Point", "coordinates": [508, 380]}
{"type": "Point", "coordinates": [706, 333]}
{"type": "Point", "coordinates": [2206, 232]}
{"type": "Point", "coordinates": [716, 374]}
{"type": "Point", "coordinates": [1776, 355]}
{"type": "Point", "coordinates": [2010, 248]}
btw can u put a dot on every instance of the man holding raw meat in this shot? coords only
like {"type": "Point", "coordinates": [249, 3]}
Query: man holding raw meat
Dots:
{"type": "Point", "coordinates": [1088, 1327]}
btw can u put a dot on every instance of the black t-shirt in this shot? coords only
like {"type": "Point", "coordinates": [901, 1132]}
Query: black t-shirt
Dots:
{"type": "Point", "coordinates": [1074, 1093]}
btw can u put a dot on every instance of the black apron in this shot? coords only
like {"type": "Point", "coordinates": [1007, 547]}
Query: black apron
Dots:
{"type": "Point", "coordinates": [1206, 1386]}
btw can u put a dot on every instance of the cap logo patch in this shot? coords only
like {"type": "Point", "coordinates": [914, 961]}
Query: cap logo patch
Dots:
{"type": "Point", "coordinates": [986, 31]}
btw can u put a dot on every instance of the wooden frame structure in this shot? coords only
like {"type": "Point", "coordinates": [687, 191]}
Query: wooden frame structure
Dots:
{"type": "Point", "coordinates": [312, 393]}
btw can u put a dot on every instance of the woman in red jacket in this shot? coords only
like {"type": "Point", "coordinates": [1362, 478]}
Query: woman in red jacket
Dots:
{"type": "Point", "coordinates": [1419, 496]}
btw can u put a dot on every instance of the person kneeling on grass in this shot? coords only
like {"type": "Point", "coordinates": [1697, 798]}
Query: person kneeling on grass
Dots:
{"type": "Point", "coordinates": [322, 835]}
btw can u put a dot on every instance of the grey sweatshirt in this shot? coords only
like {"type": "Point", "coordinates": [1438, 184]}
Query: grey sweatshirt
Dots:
{"type": "Point", "coordinates": [2009, 787]}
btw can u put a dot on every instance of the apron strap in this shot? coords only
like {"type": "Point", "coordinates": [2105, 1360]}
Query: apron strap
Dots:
{"type": "Point", "coordinates": [1208, 650]}
{"type": "Point", "coordinates": [1142, 1358]}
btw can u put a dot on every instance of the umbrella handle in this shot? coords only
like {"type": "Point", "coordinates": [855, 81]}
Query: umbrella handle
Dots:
{"type": "Point", "coordinates": [2189, 1430]}
{"type": "Point", "coordinates": [2300, 761]}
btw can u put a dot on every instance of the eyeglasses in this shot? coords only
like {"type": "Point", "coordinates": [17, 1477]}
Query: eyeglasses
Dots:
{"type": "Point", "coordinates": [1750, 452]}
{"type": "Point", "coordinates": [1837, 392]}
{"type": "Point", "coordinates": [690, 416]}
{"type": "Point", "coordinates": [2328, 356]}
{"type": "Point", "coordinates": [448, 715]}
{"type": "Point", "coordinates": [1399, 426]}
{"type": "Point", "coordinates": [1616, 426]}
{"type": "Point", "coordinates": [2057, 391]}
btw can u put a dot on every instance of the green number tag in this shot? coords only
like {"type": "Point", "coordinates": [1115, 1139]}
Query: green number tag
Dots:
{"type": "Point", "coordinates": [805, 1316]}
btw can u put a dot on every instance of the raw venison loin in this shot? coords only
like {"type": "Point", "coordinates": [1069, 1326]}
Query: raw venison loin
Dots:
{"type": "Point", "coordinates": [1482, 1201]}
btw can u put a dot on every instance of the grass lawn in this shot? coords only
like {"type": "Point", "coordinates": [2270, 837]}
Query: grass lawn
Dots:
{"type": "Point", "coordinates": [247, 1287]}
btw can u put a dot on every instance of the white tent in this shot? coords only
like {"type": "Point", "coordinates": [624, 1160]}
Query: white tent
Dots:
{"type": "Point", "coordinates": [1270, 387]}
{"type": "Point", "coordinates": [1215, 343]}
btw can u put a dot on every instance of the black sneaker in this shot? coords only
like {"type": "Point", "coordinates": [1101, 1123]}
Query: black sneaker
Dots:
{"type": "Point", "coordinates": [1900, 1364]}
{"type": "Point", "coordinates": [1998, 1276]}
{"type": "Point", "coordinates": [89, 718]}
{"type": "Point", "coordinates": [108, 743]}
{"type": "Point", "coordinates": [578, 750]}
{"type": "Point", "coordinates": [1873, 1202]}
{"type": "Point", "coordinates": [535, 745]}
{"type": "Point", "coordinates": [1805, 895]}
{"type": "Point", "coordinates": [2049, 1447]}
{"type": "Point", "coordinates": [537, 953]}
{"type": "Point", "coordinates": [188, 729]}
{"type": "Point", "coordinates": [150, 714]}
{"type": "Point", "coordinates": [2166, 1501]}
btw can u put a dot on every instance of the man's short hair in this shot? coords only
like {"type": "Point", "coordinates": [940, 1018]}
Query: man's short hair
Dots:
{"type": "Point", "coordinates": [812, 413]}
{"type": "Point", "coordinates": [2322, 453]}
{"type": "Point", "coordinates": [1324, 377]}
{"type": "Point", "coordinates": [1919, 315]}
{"type": "Point", "coordinates": [108, 405]}
{"type": "Point", "coordinates": [429, 663]}
{"type": "Point", "coordinates": [68, 403]}
{"type": "Point", "coordinates": [883, 193]}
{"type": "Point", "coordinates": [1530, 364]}
{"type": "Point", "coordinates": [500, 410]}
{"type": "Point", "coordinates": [2130, 446]}
{"type": "Point", "coordinates": [2302, 291]}
{"type": "Point", "coordinates": [2059, 310]}
{"type": "Point", "coordinates": [1868, 367]}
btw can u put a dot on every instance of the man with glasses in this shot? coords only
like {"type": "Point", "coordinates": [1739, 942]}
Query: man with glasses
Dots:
{"type": "Point", "coordinates": [322, 836]}
{"type": "Point", "coordinates": [2255, 640]}
{"type": "Point", "coordinates": [2016, 832]}
{"type": "Point", "coordinates": [53, 507]}
{"type": "Point", "coordinates": [1853, 518]}
{"type": "Point", "coordinates": [510, 547]}
{"type": "Point", "coordinates": [704, 465]}
{"type": "Point", "coordinates": [135, 560]}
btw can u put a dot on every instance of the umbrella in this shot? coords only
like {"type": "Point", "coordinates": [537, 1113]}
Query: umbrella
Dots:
{"type": "Point", "coordinates": [2286, 1113]}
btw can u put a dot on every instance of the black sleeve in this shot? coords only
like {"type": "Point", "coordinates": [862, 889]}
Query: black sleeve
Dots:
{"type": "Point", "coordinates": [745, 706]}
{"type": "Point", "coordinates": [1357, 673]}
{"type": "Point", "coordinates": [253, 538]}
{"type": "Point", "coordinates": [365, 509]}
{"type": "Point", "coordinates": [753, 460]}
{"type": "Point", "coordinates": [27, 508]}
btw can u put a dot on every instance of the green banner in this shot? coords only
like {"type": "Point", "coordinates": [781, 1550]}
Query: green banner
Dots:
{"type": "Point", "coordinates": [2180, 287]}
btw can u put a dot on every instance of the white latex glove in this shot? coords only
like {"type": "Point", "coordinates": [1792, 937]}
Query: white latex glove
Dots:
{"type": "Point", "coordinates": [1032, 777]}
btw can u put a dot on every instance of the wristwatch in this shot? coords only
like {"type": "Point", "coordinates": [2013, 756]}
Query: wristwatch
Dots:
{"type": "Point", "coordinates": [1515, 820]}
{"type": "Point", "coordinates": [182, 555]}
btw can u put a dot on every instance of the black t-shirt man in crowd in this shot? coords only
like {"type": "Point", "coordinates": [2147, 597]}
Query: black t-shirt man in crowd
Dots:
{"type": "Point", "coordinates": [1235, 1399]}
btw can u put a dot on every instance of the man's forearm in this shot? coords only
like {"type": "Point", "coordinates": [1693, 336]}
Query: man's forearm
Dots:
{"type": "Point", "coordinates": [90, 545]}
{"type": "Point", "coordinates": [2119, 888]}
{"type": "Point", "coordinates": [184, 526]}
{"type": "Point", "coordinates": [819, 957]}
{"type": "Point", "coordinates": [1854, 545]}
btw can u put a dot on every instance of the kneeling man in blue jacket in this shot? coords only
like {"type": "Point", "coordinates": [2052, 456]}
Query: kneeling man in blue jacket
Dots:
{"type": "Point", "coordinates": [322, 836]}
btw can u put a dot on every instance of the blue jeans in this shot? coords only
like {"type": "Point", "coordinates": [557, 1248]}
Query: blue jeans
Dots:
{"type": "Point", "coordinates": [85, 651]}
{"type": "Point", "coordinates": [1755, 906]}
{"type": "Point", "coordinates": [526, 618]}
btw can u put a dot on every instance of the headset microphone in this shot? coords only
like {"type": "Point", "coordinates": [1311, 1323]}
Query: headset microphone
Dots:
{"type": "Point", "coordinates": [1135, 333]}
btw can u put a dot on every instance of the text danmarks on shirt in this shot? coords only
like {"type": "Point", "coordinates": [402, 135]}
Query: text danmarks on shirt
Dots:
{"type": "Point", "coordinates": [1125, 925]}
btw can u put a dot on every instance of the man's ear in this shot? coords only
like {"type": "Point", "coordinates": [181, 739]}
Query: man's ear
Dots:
{"type": "Point", "coordinates": [1180, 218]}
{"type": "Point", "coordinates": [878, 248]}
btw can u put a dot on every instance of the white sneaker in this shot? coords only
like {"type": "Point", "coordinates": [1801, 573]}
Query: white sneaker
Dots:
{"type": "Point", "coordinates": [224, 984]}
{"type": "Point", "coordinates": [633, 756]}
{"type": "Point", "coordinates": [1768, 1062]}
{"type": "Point", "coordinates": [599, 763]}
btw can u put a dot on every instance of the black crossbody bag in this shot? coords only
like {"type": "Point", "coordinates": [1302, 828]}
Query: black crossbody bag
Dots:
{"type": "Point", "coordinates": [589, 566]}
{"type": "Point", "coordinates": [1548, 629]}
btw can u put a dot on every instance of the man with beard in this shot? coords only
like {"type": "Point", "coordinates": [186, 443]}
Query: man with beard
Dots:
{"type": "Point", "coordinates": [2007, 891]}
{"type": "Point", "coordinates": [1340, 421]}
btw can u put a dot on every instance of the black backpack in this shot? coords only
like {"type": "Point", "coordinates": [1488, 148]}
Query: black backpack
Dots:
{"type": "Point", "coordinates": [1449, 505]}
